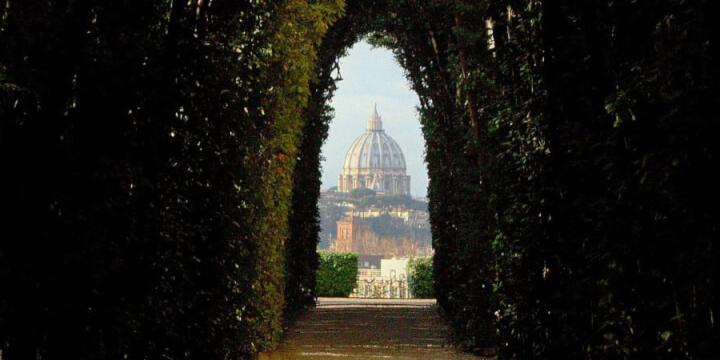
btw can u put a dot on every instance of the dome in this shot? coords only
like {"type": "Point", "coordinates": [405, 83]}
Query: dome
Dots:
{"type": "Point", "coordinates": [374, 149]}
{"type": "Point", "coordinates": [375, 161]}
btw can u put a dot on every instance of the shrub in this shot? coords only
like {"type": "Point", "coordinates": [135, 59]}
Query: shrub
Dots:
{"type": "Point", "coordinates": [420, 278]}
{"type": "Point", "coordinates": [337, 274]}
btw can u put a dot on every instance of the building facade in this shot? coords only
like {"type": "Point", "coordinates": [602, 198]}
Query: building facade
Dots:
{"type": "Point", "coordinates": [375, 161]}
{"type": "Point", "coordinates": [355, 235]}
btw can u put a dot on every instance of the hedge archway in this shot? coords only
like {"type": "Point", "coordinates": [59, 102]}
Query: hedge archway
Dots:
{"type": "Point", "coordinates": [161, 169]}
{"type": "Point", "coordinates": [530, 113]}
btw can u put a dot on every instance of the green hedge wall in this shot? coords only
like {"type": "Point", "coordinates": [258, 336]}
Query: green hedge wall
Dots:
{"type": "Point", "coordinates": [337, 274]}
{"type": "Point", "coordinates": [160, 171]}
{"type": "Point", "coordinates": [152, 145]}
{"type": "Point", "coordinates": [569, 148]}
{"type": "Point", "coordinates": [591, 121]}
{"type": "Point", "coordinates": [420, 278]}
{"type": "Point", "coordinates": [302, 257]}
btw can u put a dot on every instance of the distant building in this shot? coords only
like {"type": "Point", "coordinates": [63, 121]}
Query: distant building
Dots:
{"type": "Point", "coordinates": [355, 235]}
{"type": "Point", "coordinates": [375, 161]}
{"type": "Point", "coordinates": [369, 261]}
{"type": "Point", "coordinates": [394, 268]}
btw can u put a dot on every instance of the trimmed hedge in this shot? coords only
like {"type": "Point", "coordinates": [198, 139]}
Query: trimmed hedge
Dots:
{"type": "Point", "coordinates": [571, 170]}
{"type": "Point", "coordinates": [160, 171]}
{"type": "Point", "coordinates": [152, 146]}
{"type": "Point", "coordinates": [337, 274]}
{"type": "Point", "coordinates": [420, 278]}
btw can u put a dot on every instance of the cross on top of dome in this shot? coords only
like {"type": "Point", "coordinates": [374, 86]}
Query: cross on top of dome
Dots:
{"type": "Point", "coordinates": [375, 121]}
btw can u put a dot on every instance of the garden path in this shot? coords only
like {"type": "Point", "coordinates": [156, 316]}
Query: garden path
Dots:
{"type": "Point", "coordinates": [368, 329]}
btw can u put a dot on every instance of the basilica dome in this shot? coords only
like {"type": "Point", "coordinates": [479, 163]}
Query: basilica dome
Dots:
{"type": "Point", "coordinates": [375, 161]}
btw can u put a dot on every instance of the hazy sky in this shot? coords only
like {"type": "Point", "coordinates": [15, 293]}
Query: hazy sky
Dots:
{"type": "Point", "coordinates": [373, 76]}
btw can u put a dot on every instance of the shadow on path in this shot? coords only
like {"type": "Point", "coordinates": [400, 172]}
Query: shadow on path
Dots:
{"type": "Point", "coordinates": [368, 329]}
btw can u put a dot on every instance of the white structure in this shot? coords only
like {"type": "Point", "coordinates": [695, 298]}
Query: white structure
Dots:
{"type": "Point", "coordinates": [375, 161]}
{"type": "Point", "coordinates": [390, 281]}
{"type": "Point", "coordinates": [394, 268]}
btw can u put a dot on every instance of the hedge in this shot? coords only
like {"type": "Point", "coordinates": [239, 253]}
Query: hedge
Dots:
{"type": "Point", "coordinates": [420, 278]}
{"type": "Point", "coordinates": [337, 274]}
{"type": "Point", "coordinates": [569, 149]}
{"type": "Point", "coordinates": [160, 171]}
{"type": "Point", "coordinates": [152, 146]}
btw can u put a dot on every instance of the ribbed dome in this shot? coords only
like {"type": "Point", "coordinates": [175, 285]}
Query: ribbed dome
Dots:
{"type": "Point", "coordinates": [374, 161]}
{"type": "Point", "coordinates": [374, 150]}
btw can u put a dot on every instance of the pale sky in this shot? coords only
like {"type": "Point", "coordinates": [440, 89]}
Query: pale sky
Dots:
{"type": "Point", "coordinates": [370, 76]}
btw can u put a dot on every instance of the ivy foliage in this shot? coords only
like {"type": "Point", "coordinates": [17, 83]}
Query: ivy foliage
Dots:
{"type": "Point", "coordinates": [337, 274]}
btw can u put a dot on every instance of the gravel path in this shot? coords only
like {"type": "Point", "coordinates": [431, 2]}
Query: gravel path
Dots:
{"type": "Point", "coordinates": [368, 329]}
